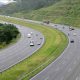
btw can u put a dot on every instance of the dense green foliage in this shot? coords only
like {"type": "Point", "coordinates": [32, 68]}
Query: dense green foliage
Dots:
{"type": "Point", "coordinates": [7, 33]}
{"type": "Point", "coordinates": [25, 6]}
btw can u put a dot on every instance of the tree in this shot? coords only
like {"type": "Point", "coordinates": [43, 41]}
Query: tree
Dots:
{"type": "Point", "coordinates": [7, 33]}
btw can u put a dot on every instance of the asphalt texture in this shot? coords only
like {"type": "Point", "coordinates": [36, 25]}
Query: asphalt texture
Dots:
{"type": "Point", "coordinates": [66, 66]}
{"type": "Point", "coordinates": [19, 51]}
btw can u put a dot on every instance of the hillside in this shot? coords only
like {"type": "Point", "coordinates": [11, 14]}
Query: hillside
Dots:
{"type": "Point", "coordinates": [64, 11]}
{"type": "Point", "coordinates": [57, 11]}
{"type": "Point", "coordinates": [25, 6]}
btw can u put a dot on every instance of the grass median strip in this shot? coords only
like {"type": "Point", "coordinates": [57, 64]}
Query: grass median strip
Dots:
{"type": "Point", "coordinates": [55, 43]}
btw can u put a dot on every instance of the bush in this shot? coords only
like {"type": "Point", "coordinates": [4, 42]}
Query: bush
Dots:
{"type": "Point", "coordinates": [7, 33]}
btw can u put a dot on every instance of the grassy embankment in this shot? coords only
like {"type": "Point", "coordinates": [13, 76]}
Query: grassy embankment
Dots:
{"type": "Point", "coordinates": [62, 12]}
{"type": "Point", "coordinates": [55, 43]}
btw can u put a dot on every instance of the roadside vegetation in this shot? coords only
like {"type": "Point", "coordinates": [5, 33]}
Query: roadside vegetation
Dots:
{"type": "Point", "coordinates": [25, 6]}
{"type": "Point", "coordinates": [8, 33]}
{"type": "Point", "coordinates": [63, 12]}
{"type": "Point", "coordinates": [57, 11]}
{"type": "Point", "coordinates": [55, 43]}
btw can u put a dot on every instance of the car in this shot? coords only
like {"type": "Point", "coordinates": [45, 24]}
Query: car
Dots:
{"type": "Point", "coordinates": [74, 34]}
{"type": "Point", "coordinates": [41, 38]}
{"type": "Point", "coordinates": [55, 25]}
{"type": "Point", "coordinates": [63, 27]}
{"type": "Point", "coordinates": [72, 41]}
{"type": "Point", "coordinates": [31, 43]}
{"type": "Point", "coordinates": [70, 28]}
{"type": "Point", "coordinates": [38, 43]}
{"type": "Point", "coordinates": [47, 22]}
{"type": "Point", "coordinates": [29, 35]}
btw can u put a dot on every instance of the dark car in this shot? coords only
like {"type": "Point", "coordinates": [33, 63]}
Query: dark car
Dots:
{"type": "Point", "coordinates": [73, 29]}
{"type": "Point", "coordinates": [38, 43]}
{"type": "Point", "coordinates": [72, 41]}
{"type": "Point", "coordinates": [70, 28]}
{"type": "Point", "coordinates": [47, 22]}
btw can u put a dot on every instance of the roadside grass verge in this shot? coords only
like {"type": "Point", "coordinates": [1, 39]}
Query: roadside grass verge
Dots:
{"type": "Point", "coordinates": [55, 43]}
{"type": "Point", "coordinates": [62, 12]}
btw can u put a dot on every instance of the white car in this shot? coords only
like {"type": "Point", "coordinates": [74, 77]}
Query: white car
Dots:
{"type": "Point", "coordinates": [74, 34]}
{"type": "Point", "coordinates": [29, 35]}
{"type": "Point", "coordinates": [31, 43]}
{"type": "Point", "coordinates": [41, 38]}
{"type": "Point", "coordinates": [71, 28]}
{"type": "Point", "coordinates": [36, 34]}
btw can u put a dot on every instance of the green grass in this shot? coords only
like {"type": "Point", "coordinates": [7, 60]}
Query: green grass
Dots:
{"type": "Point", "coordinates": [63, 12]}
{"type": "Point", "coordinates": [55, 43]}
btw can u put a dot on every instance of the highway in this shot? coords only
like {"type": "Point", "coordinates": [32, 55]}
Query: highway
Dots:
{"type": "Point", "coordinates": [67, 66]}
{"type": "Point", "coordinates": [20, 50]}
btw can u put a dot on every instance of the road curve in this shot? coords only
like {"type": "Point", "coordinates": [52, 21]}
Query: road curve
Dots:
{"type": "Point", "coordinates": [22, 49]}
{"type": "Point", "coordinates": [67, 66]}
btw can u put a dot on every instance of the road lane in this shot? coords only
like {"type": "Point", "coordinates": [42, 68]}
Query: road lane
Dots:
{"type": "Point", "coordinates": [67, 65]}
{"type": "Point", "coordinates": [20, 50]}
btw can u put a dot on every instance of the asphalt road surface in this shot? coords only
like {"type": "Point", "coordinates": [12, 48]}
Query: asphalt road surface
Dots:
{"type": "Point", "coordinates": [67, 66]}
{"type": "Point", "coordinates": [17, 52]}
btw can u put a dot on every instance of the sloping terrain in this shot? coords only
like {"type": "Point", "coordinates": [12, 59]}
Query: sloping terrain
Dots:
{"type": "Point", "coordinates": [64, 11]}
{"type": "Point", "coordinates": [57, 11]}
{"type": "Point", "coordinates": [25, 6]}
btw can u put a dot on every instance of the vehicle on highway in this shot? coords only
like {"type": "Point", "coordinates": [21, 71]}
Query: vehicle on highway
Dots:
{"type": "Point", "coordinates": [38, 43]}
{"type": "Point", "coordinates": [29, 35]}
{"type": "Point", "coordinates": [55, 25]}
{"type": "Point", "coordinates": [72, 41]}
{"type": "Point", "coordinates": [31, 43]}
{"type": "Point", "coordinates": [41, 38]}
{"type": "Point", "coordinates": [46, 21]}
{"type": "Point", "coordinates": [74, 34]}
{"type": "Point", "coordinates": [73, 29]}
{"type": "Point", "coordinates": [68, 34]}
{"type": "Point", "coordinates": [36, 34]}
{"type": "Point", "coordinates": [63, 27]}
{"type": "Point", "coordinates": [70, 28]}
